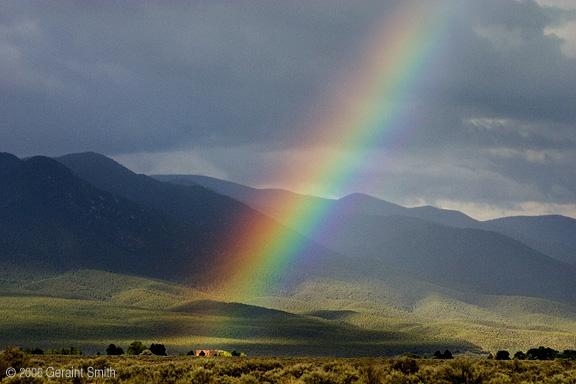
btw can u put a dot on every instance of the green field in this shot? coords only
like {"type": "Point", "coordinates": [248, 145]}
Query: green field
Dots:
{"type": "Point", "coordinates": [91, 309]}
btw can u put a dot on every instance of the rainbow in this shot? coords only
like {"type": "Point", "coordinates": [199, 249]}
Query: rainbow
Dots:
{"type": "Point", "coordinates": [368, 111]}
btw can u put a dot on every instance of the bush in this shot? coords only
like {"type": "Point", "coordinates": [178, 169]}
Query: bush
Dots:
{"type": "Point", "coordinates": [12, 357]}
{"type": "Point", "coordinates": [412, 355]}
{"type": "Point", "coordinates": [542, 353]}
{"type": "Point", "coordinates": [113, 350]}
{"type": "Point", "coordinates": [158, 349]}
{"type": "Point", "coordinates": [372, 375]}
{"type": "Point", "coordinates": [65, 351]}
{"type": "Point", "coordinates": [249, 379]}
{"type": "Point", "coordinates": [201, 375]}
{"type": "Point", "coordinates": [297, 370]}
{"type": "Point", "coordinates": [321, 377]}
{"type": "Point", "coordinates": [406, 365]}
{"type": "Point", "coordinates": [568, 354]}
{"type": "Point", "coordinates": [520, 355]}
{"type": "Point", "coordinates": [461, 371]}
{"type": "Point", "coordinates": [502, 355]}
{"type": "Point", "coordinates": [446, 355]}
{"type": "Point", "coordinates": [136, 348]}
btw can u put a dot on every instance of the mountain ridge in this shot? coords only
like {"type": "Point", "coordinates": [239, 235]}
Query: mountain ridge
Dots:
{"type": "Point", "coordinates": [558, 244]}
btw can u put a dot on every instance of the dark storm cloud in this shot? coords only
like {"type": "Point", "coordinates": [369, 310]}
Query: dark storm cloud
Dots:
{"type": "Point", "coordinates": [152, 76]}
{"type": "Point", "coordinates": [502, 63]}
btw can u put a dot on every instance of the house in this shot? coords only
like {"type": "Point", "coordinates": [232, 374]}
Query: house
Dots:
{"type": "Point", "coordinates": [206, 352]}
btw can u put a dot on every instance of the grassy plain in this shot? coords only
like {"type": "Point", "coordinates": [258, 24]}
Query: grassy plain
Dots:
{"type": "Point", "coordinates": [91, 309]}
{"type": "Point", "coordinates": [244, 370]}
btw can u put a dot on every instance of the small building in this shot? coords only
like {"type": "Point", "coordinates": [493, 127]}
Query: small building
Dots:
{"type": "Point", "coordinates": [206, 352]}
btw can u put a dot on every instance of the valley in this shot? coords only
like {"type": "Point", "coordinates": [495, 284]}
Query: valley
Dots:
{"type": "Point", "coordinates": [93, 254]}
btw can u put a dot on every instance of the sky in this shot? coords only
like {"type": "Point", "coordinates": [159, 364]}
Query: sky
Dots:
{"type": "Point", "coordinates": [250, 91]}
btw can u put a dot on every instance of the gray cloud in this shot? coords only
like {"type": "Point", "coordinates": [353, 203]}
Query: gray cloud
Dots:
{"type": "Point", "coordinates": [142, 75]}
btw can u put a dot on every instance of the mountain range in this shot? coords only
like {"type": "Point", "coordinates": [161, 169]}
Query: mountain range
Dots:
{"type": "Point", "coordinates": [418, 277]}
{"type": "Point", "coordinates": [553, 235]}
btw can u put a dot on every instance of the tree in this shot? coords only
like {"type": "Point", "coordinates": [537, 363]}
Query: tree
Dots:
{"type": "Point", "coordinates": [502, 355]}
{"type": "Point", "coordinates": [520, 355]}
{"type": "Point", "coordinates": [568, 354]}
{"type": "Point", "coordinates": [35, 351]}
{"type": "Point", "coordinates": [69, 351]}
{"type": "Point", "coordinates": [542, 353]}
{"type": "Point", "coordinates": [446, 355]}
{"type": "Point", "coordinates": [158, 349]}
{"type": "Point", "coordinates": [136, 348]}
{"type": "Point", "coordinates": [113, 350]}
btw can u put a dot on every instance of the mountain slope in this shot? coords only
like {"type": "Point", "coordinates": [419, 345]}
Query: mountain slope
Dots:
{"type": "Point", "coordinates": [553, 235]}
{"type": "Point", "coordinates": [271, 201]}
{"type": "Point", "coordinates": [360, 226]}
{"type": "Point", "coordinates": [193, 204]}
{"type": "Point", "coordinates": [51, 217]}
{"type": "Point", "coordinates": [474, 259]}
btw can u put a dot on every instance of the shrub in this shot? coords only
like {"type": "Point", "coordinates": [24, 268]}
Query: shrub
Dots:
{"type": "Point", "coordinates": [520, 355]}
{"type": "Point", "coordinates": [542, 353]}
{"type": "Point", "coordinates": [461, 371]}
{"type": "Point", "coordinates": [345, 372]}
{"type": "Point", "coordinates": [320, 377]}
{"type": "Point", "coordinates": [136, 348]}
{"type": "Point", "coordinates": [406, 365]}
{"type": "Point", "coordinates": [158, 349]}
{"type": "Point", "coordinates": [412, 355]}
{"type": "Point", "coordinates": [502, 355]}
{"type": "Point", "coordinates": [297, 370]}
{"type": "Point", "coordinates": [113, 350]}
{"type": "Point", "coordinates": [69, 351]}
{"type": "Point", "coordinates": [372, 375]}
{"type": "Point", "coordinates": [34, 351]}
{"type": "Point", "coordinates": [249, 379]}
{"type": "Point", "coordinates": [12, 357]}
{"type": "Point", "coordinates": [446, 355]}
{"type": "Point", "coordinates": [201, 375]}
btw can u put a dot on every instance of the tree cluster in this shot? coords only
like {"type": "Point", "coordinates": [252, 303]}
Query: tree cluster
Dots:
{"type": "Point", "coordinates": [113, 350]}
{"type": "Point", "coordinates": [138, 348]}
{"type": "Point", "coordinates": [443, 355]}
{"type": "Point", "coordinates": [540, 353]}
